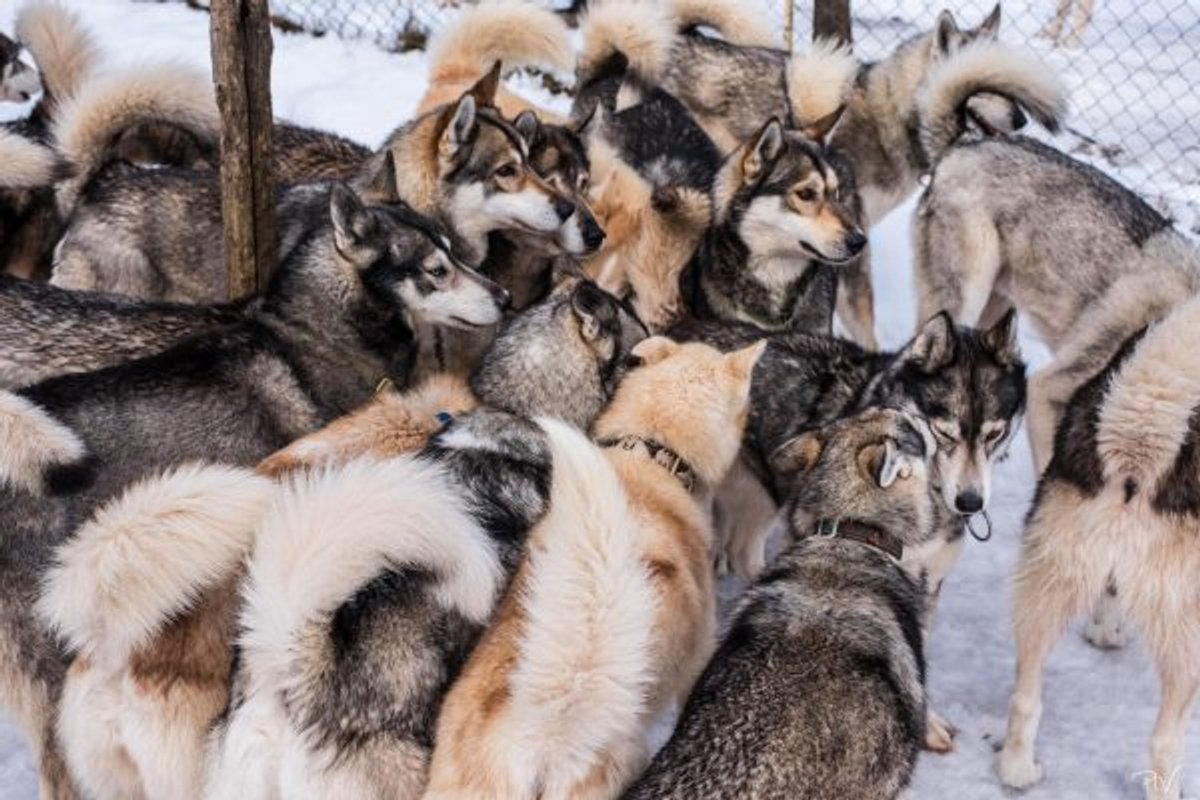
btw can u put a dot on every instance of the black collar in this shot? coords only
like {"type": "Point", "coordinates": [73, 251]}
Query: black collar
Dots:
{"type": "Point", "coordinates": [660, 454]}
{"type": "Point", "coordinates": [871, 535]}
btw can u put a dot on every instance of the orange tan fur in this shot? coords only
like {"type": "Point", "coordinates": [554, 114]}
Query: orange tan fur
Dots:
{"type": "Point", "coordinates": [392, 424]}
{"type": "Point", "coordinates": [611, 616]}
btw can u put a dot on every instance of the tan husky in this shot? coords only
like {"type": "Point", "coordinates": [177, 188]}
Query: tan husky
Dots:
{"type": "Point", "coordinates": [612, 615]}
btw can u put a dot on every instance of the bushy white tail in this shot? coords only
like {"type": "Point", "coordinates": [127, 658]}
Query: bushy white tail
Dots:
{"type": "Point", "coordinates": [91, 119]}
{"type": "Point", "coordinates": [643, 32]}
{"type": "Point", "coordinates": [518, 33]}
{"type": "Point", "coordinates": [986, 66]}
{"type": "Point", "coordinates": [332, 532]}
{"type": "Point", "coordinates": [819, 80]}
{"type": "Point", "coordinates": [585, 666]}
{"type": "Point", "coordinates": [738, 21]}
{"type": "Point", "coordinates": [32, 443]}
{"type": "Point", "coordinates": [149, 555]}
{"type": "Point", "coordinates": [25, 164]}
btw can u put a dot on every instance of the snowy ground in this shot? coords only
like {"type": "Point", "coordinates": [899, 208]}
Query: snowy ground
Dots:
{"type": "Point", "coordinates": [1100, 707]}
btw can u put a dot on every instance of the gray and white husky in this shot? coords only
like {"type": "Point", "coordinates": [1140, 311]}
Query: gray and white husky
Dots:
{"type": "Point", "coordinates": [313, 347]}
{"type": "Point", "coordinates": [825, 652]}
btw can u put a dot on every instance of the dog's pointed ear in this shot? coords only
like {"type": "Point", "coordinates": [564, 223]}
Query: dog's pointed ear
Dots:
{"type": "Point", "coordinates": [654, 349]}
{"type": "Point", "coordinates": [933, 347]}
{"type": "Point", "coordinates": [460, 128]}
{"type": "Point", "coordinates": [820, 130]}
{"type": "Point", "coordinates": [883, 462]}
{"type": "Point", "coordinates": [797, 456]}
{"type": "Point", "coordinates": [946, 34]}
{"type": "Point", "coordinates": [351, 221]}
{"type": "Point", "coordinates": [594, 308]}
{"type": "Point", "coordinates": [1001, 340]}
{"type": "Point", "coordinates": [990, 27]}
{"type": "Point", "coordinates": [741, 362]}
{"type": "Point", "coordinates": [380, 186]}
{"type": "Point", "coordinates": [484, 90]}
{"type": "Point", "coordinates": [528, 125]}
{"type": "Point", "coordinates": [762, 152]}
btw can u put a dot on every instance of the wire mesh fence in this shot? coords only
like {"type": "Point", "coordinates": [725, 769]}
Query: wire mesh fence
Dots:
{"type": "Point", "coordinates": [1132, 67]}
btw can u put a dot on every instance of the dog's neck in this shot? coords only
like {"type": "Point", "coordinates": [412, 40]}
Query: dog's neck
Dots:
{"type": "Point", "coordinates": [659, 454]}
{"type": "Point", "coordinates": [859, 531]}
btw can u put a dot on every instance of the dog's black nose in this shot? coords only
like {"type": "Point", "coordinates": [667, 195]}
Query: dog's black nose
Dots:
{"type": "Point", "coordinates": [855, 242]}
{"type": "Point", "coordinates": [968, 503]}
{"type": "Point", "coordinates": [564, 209]}
{"type": "Point", "coordinates": [503, 298]}
{"type": "Point", "coordinates": [593, 235]}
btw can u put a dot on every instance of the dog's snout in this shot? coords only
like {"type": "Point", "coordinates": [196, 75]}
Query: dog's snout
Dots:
{"type": "Point", "coordinates": [564, 209]}
{"type": "Point", "coordinates": [856, 240]}
{"type": "Point", "coordinates": [968, 502]}
{"type": "Point", "coordinates": [593, 235]}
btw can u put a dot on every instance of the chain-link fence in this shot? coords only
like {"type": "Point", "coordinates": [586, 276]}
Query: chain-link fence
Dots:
{"type": "Point", "coordinates": [1132, 67]}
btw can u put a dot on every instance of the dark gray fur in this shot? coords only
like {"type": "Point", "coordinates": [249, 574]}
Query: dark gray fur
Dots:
{"type": "Point", "coordinates": [817, 690]}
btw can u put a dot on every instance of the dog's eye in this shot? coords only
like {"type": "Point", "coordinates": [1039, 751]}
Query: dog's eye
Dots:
{"type": "Point", "coordinates": [439, 272]}
{"type": "Point", "coordinates": [583, 183]}
{"type": "Point", "coordinates": [508, 170]}
{"type": "Point", "coordinates": [995, 436]}
{"type": "Point", "coordinates": [807, 195]}
{"type": "Point", "coordinates": [945, 434]}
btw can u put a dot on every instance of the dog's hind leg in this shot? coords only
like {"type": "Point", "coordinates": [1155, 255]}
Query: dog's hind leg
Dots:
{"type": "Point", "coordinates": [856, 301]}
{"type": "Point", "coordinates": [958, 262]}
{"type": "Point", "coordinates": [1180, 686]}
{"type": "Point", "coordinates": [1053, 584]}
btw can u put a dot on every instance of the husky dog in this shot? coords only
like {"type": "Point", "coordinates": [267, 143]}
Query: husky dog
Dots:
{"type": "Point", "coordinates": [1119, 501]}
{"type": "Point", "coordinates": [315, 346]}
{"type": "Point", "coordinates": [825, 651]}
{"type": "Point", "coordinates": [612, 613]}
{"type": "Point", "coordinates": [306, 154]}
{"type": "Point", "coordinates": [46, 331]}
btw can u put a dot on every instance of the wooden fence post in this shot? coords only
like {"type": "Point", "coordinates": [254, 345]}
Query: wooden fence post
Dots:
{"type": "Point", "coordinates": [241, 55]}
{"type": "Point", "coordinates": [789, 25]}
{"type": "Point", "coordinates": [831, 20]}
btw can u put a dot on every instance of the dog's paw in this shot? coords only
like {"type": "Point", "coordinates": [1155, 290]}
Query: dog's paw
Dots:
{"type": "Point", "coordinates": [939, 733]}
{"type": "Point", "coordinates": [1017, 770]}
{"type": "Point", "coordinates": [1107, 632]}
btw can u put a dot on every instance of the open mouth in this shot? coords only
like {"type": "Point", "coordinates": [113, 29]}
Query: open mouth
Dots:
{"type": "Point", "coordinates": [817, 254]}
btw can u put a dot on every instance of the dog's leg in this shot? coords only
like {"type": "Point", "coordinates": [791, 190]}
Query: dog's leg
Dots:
{"type": "Point", "coordinates": [1050, 589]}
{"type": "Point", "coordinates": [1054, 27]}
{"type": "Point", "coordinates": [936, 565]}
{"type": "Point", "coordinates": [745, 513]}
{"type": "Point", "coordinates": [957, 264]}
{"type": "Point", "coordinates": [1083, 16]}
{"type": "Point", "coordinates": [1107, 628]}
{"type": "Point", "coordinates": [1041, 417]}
{"type": "Point", "coordinates": [856, 301]}
{"type": "Point", "coordinates": [1180, 679]}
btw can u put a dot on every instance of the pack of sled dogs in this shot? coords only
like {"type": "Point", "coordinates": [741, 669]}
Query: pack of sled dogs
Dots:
{"type": "Point", "coordinates": [440, 512]}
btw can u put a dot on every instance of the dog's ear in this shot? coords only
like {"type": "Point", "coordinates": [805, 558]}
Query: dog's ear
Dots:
{"type": "Point", "coordinates": [883, 462]}
{"type": "Point", "coordinates": [460, 128]}
{"type": "Point", "coordinates": [380, 186]}
{"type": "Point", "coordinates": [528, 125]}
{"type": "Point", "coordinates": [594, 308]}
{"type": "Point", "coordinates": [484, 90]}
{"type": "Point", "coordinates": [990, 27]}
{"type": "Point", "coordinates": [933, 347]}
{"type": "Point", "coordinates": [741, 362]}
{"type": "Point", "coordinates": [763, 151]}
{"type": "Point", "coordinates": [820, 130]}
{"type": "Point", "coordinates": [1001, 340]}
{"type": "Point", "coordinates": [654, 349]}
{"type": "Point", "coordinates": [797, 456]}
{"type": "Point", "coordinates": [352, 224]}
{"type": "Point", "coordinates": [946, 34]}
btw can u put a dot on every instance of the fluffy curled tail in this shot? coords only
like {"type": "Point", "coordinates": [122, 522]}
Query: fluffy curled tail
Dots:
{"type": "Point", "coordinates": [152, 99]}
{"type": "Point", "coordinates": [819, 80]}
{"type": "Point", "coordinates": [986, 67]}
{"type": "Point", "coordinates": [64, 49]}
{"type": "Point", "coordinates": [328, 535]}
{"type": "Point", "coordinates": [636, 34]}
{"type": "Point", "coordinates": [147, 556]}
{"type": "Point", "coordinates": [518, 33]}
{"type": "Point", "coordinates": [34, 446]}
{"type": "Point", "coordinates": [25, 164]}
{"type": "Point", "coordinates": [584, 665]}
{"type": "Point", "coordinates": [1151, 404]}
{"type": "Point", "coordinates": [738, 21]}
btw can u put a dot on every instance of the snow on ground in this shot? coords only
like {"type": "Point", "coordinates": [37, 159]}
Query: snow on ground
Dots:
{"type": "Point", "coordinates": [1099, 707]}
